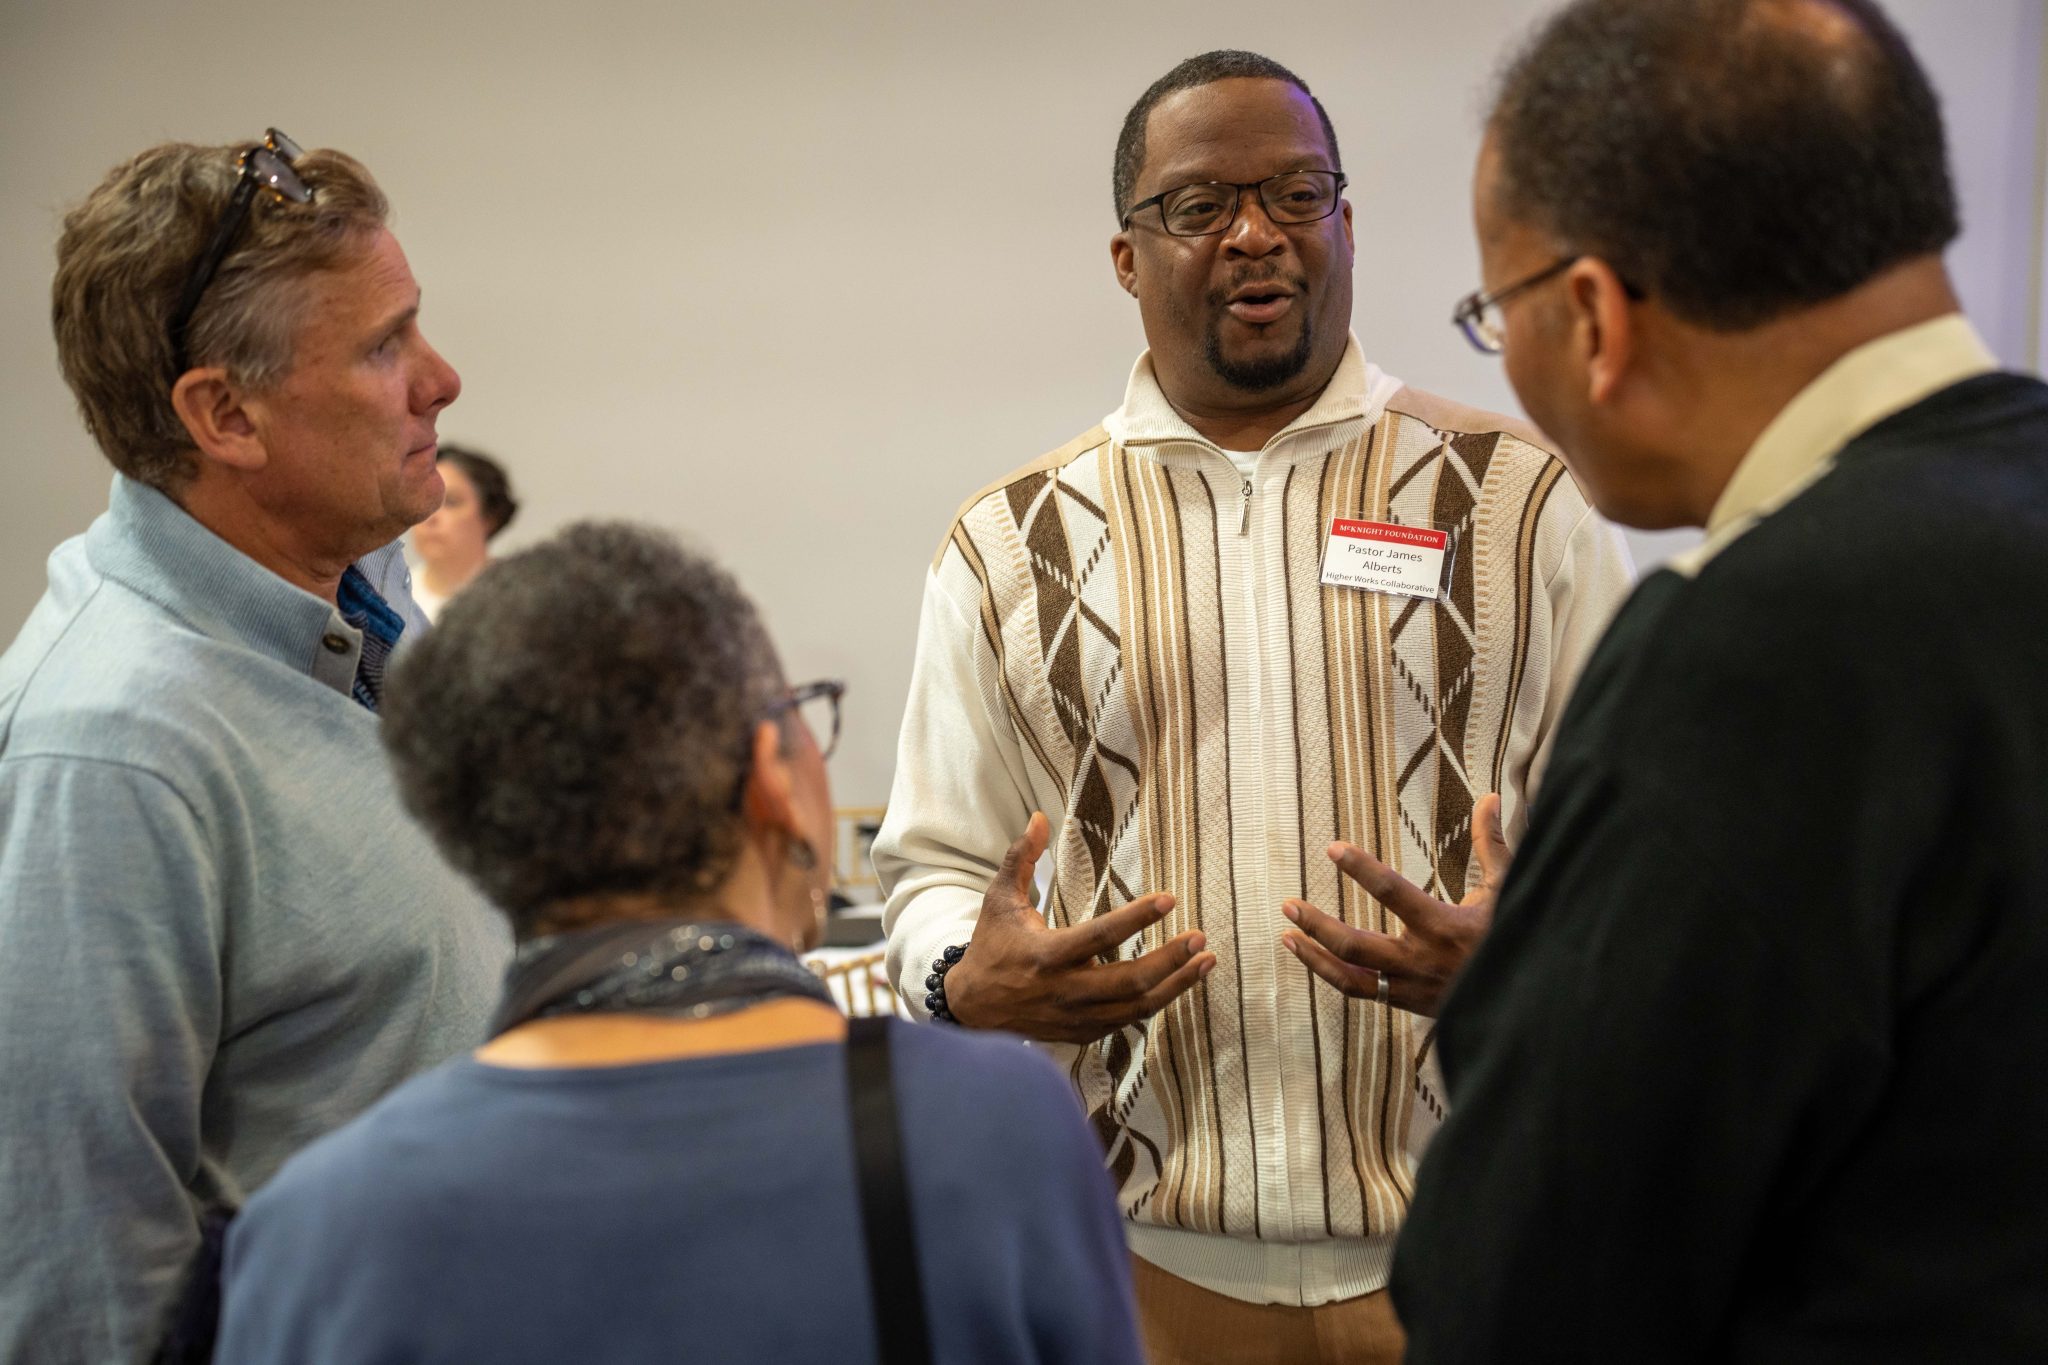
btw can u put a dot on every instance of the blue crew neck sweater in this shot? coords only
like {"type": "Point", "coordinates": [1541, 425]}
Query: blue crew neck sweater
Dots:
{"type": "Point", "coordinates": [700, 1209]}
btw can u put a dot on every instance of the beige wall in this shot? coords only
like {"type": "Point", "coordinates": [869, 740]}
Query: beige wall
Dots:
{"type": "Point", "coordinates": [794, 279]}
{"type": "Point", "coordinates": [2039, 329]}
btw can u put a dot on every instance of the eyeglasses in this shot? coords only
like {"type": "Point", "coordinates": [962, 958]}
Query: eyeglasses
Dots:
{"type": "Point", "coordinates": [1479, 317]}
{"type": "Point", "coordinates": [1206, 209]}
{"type": "Point", "coordinates": [267, 166]}
{"type": "Point", "coordinates": [1478, 314]}
{"type": "Point", "coordinates": [817, 705]}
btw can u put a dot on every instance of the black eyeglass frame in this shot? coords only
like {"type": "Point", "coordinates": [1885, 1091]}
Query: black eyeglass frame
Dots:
{"type": "Point", "coordinates": [1472, 308]}
{"type": "Point", "coordinates": [1237, 190]}
{"type": "Point", "coordinates": [1466, 316]}
{"type": "Point", "coordinates": [265, 166]}
{"type": "Point", "coordinates": [824, 687]}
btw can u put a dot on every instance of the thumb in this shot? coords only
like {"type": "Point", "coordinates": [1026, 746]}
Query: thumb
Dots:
{"type": "Point", "coordinates": [1489, 842]}
{"type": "Point", "coordinates": [1011, 889]}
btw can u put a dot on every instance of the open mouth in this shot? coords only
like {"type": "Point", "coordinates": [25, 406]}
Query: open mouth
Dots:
{"type": "Point", "coordinates": [1260, 304]}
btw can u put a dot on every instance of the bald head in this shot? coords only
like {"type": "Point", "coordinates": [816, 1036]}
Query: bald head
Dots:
{"type": "Point", "coordinates": [1735, 159]}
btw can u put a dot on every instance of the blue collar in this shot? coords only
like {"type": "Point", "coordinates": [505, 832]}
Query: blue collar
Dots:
{"type": "Point", "coordinates": [152, 546]}
{"type": "Point", "coordinates": [380, 628]}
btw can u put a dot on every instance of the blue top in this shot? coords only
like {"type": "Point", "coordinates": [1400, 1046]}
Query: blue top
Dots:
{"type": "Point", "coordinates": [701, 1209]}
{"type": "Point", "coordinates": [220, 934]}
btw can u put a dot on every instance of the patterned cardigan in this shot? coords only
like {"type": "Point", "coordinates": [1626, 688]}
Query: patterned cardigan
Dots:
{"type": "Point", "coordinates": [1132, 636]}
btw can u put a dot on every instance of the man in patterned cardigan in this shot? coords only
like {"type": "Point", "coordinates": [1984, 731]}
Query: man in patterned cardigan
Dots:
{"type": "Point", "coordinates": [1138, 635]}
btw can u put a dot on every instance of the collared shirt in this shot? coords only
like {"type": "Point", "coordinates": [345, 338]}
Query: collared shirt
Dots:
{"type": "Point", "coordinates": [1798, 448]}
{"type": "Point", "coordinates": [223, 935]}
{"type": "Point", "coordinates": [1357, 392]}
{"type": "Point", "coordinates": [380, 627]}
{"type": "Point", "coordinates": [148, 543]}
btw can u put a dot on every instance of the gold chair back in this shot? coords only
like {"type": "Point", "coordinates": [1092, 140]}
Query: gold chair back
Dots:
{"type": "Point", "coordinates": [860, 985]}
{"type": "Point", "coordinates": [853, 830]}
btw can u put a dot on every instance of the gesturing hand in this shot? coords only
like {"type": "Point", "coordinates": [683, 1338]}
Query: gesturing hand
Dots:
{"type": "Point", "coordinates": [1414, 970]}
{"type": "Point", "coordinates": [1049, 984]}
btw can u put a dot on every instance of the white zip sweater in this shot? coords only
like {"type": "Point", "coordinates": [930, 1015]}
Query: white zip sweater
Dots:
{"type": "Point", "coordinates": [1131, 636]}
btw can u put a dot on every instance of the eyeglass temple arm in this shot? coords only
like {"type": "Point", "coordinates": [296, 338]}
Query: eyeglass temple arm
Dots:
{"type": "Point", "coordinates": [209, 262]}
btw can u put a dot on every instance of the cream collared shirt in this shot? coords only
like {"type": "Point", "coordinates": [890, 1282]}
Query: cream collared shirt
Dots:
{"type": "Point", "coordinates": [1876, 380]}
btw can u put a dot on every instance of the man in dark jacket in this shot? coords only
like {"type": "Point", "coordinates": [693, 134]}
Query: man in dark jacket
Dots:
{"type": "Point", "coordinates": [1749, 1066]}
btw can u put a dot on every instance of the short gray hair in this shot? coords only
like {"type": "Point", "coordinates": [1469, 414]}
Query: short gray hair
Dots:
{"type": "Point", "coordinates": [123, 260]}
{"type": "Point", "coordinates": [580, 722]}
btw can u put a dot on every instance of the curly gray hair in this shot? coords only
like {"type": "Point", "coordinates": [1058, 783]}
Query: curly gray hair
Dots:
{"type": "Point", "coordinates": [578, 723]}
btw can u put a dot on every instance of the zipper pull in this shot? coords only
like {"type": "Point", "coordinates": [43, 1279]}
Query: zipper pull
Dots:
{"type": "Point", "coordinates": [1244, 525]}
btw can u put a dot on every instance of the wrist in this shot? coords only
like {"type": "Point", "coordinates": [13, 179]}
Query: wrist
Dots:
{"type": "Point", "coordinates": [936, 1001]}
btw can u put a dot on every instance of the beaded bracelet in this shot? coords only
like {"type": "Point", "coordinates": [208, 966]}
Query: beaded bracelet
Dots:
{"type": "Point", "coordinates": [935, 984]}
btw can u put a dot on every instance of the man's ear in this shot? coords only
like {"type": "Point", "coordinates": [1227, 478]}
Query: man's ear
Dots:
{"type": "Point", "coordinates": [1123, 257]}
{"type": "Point", "coordinates": [1350, 233]}
{"type": "Point", "coordinates": [768, 801]}
{"type": "Point", "coordinates": [215, 411]}
{"type": "Point", "coordinates": [1603, 325]}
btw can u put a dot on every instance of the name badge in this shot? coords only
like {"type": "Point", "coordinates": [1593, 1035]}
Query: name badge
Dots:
{"type": "Point", "coordinates": [1378, 556]}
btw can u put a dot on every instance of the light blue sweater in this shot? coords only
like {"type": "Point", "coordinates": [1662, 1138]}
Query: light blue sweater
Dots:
{"type": "Point", "coordinates": [220, 934]}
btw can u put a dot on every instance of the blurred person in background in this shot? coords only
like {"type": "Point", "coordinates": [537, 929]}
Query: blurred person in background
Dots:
{"type": "Point", "coordinates": [220, 934]}
{"type": "Point", "coordinates": [651, 1158]}
{"type": "Point", "coordinates": [453, 545]}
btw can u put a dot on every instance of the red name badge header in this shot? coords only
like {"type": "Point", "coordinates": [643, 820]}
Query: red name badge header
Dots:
{"type": "Point", "coordinates": [1388, 533]}
{"type": "Point", "coordinates": [1378, 556]}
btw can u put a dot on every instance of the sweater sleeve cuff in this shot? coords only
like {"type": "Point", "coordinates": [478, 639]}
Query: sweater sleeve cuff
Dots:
{"type": "Point", "coordinates": [940, 917]}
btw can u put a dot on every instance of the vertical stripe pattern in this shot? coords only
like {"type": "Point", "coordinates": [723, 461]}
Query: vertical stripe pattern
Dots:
{"type": "Point", "coordinates": [1213, 717]}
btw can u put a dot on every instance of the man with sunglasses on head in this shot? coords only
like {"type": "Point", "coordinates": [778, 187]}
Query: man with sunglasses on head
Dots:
{"type": "Point", "coordinates": [1275, 603]}
{"type": "Point", "coordinates": [222, 935]}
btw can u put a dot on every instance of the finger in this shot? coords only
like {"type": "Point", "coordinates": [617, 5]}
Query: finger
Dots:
{"type": "Point", "coordinates": [1407, 901]}
{"type": "Point", "coordinates": [1489, 842]}
{"type": "Point", "coordinates": [1417, 995]}
{"type": "Point", "coordinates": [1025, 853]}
{"type": "Point", "coordinates": [1019, 867]}
{"type": "Point", "coordinates": [1100, 936]}
{"type": "Point", "coordinates": [1360, 983]}
{"type": "Point", "coordinates": [1162, 994]}
{"type": "Point", "coordinates": [1359, 947]}
{"type": "Point", "coordinates": [1120, 983]}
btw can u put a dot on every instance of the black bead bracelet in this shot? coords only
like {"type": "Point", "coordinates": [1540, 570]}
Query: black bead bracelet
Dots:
{"type": "Point", "coordinates": [935, 984]}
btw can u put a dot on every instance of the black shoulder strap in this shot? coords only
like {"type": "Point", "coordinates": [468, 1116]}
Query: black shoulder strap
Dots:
{"type": "Point", "coordinates": [195, 1320]}
{"type": "Point", "coordinates": [893, 1280]}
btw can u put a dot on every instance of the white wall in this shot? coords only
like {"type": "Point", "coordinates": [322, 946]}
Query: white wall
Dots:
{"type": "Point", "coordinates": [2039, 356]}
{"type": "Point", "coordinates": [793, 279]}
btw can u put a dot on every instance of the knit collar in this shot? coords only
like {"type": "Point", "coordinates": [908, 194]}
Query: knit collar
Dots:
{"type": "Point", "coordinates": [1878, 379]}
{"type": "Point", "coordinates": [1351, 402]}
{"type": "Point", "coordinates": [152, 546]}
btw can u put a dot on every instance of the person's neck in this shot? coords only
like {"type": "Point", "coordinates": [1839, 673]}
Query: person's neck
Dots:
{"type": "Point", "coordinates": [445, 580]}
{"type": "Point", "coordinates": [1242, 430]}
{"type": "Point", "coordinates": [223, 506]}
{"type": "Point", "coordinates": [624, 1039]}
{"type": "Point", "coordinates": [593, 1040]}
{"type": "Point", "coordinates": [1735, 384]}
{"type": "Point", "coordinates": [744, 898]}
{"type": "Point", "coordinates": [1250, 426]}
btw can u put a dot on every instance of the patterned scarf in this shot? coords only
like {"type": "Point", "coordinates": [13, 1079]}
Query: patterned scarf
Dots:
{"type": "Point", "coordinates": [672, 967]}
